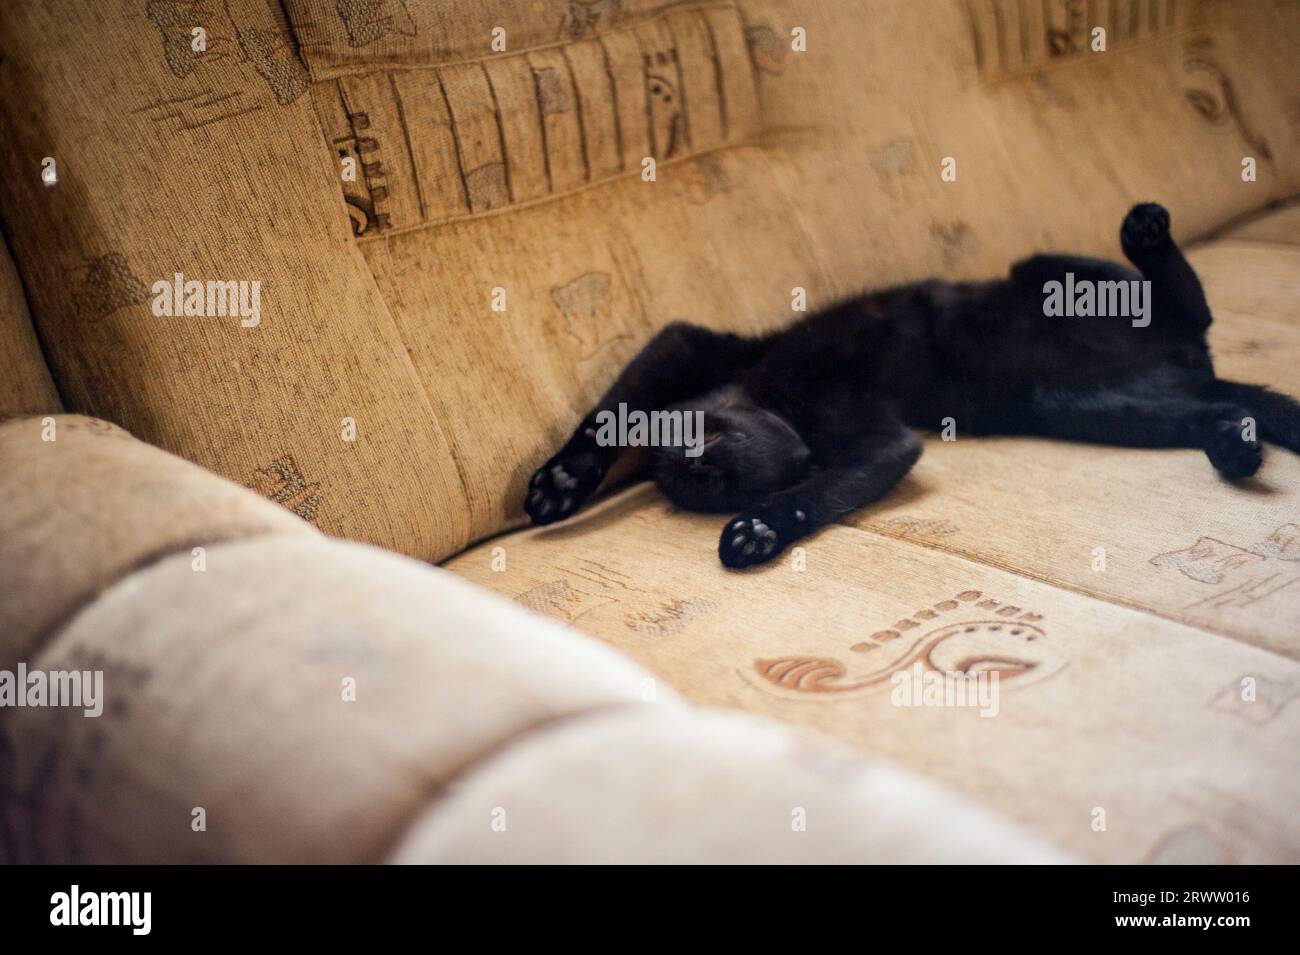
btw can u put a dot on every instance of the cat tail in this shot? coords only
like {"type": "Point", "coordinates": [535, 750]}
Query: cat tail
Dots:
{"type": "Point", "coordinates": [1277, 415]}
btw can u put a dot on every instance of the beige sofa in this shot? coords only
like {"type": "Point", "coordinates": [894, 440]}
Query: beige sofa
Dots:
{"type": "Point", "coordinates": [457, 245]}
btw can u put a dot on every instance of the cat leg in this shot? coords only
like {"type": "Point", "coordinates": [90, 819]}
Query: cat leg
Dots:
{"type": "Point", "coordinates": [680, 362]}
{"type": "Point", "coordinates": [853, 476]}
{"type": "Point", "coordinates": [1148, 244]}
{"type": "Point", "coordinates": [1277, 415]}
{"type": "Point", "coordinates": [1142, 415]}
{"type": "Point", "coordinates": [1034, 272]}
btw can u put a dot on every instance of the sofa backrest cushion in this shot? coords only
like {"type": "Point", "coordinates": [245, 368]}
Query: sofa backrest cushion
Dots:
{"type": "Point", "coordinates": [457, 245]}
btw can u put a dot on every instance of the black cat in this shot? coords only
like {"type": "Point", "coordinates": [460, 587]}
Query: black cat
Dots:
{"type": "Point", "coordinates": [804, 425]}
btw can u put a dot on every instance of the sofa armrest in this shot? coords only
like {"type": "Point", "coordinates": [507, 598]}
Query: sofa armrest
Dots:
{"type": "Point", "coordinates": [85, 504]}
{"type": "Point", "coordinates": [281, 696]}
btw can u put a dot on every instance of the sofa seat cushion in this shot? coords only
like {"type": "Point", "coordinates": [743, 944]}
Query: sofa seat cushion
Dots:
{"type": "Point", "coordinates": [1143, 615]}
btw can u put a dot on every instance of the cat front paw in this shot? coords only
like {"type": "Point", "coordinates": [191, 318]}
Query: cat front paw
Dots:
{"type": "Point", "coordinates": [748, 540]}
{"type": "Point", "coordinates": [1231, 453]}
{"type": "Point", "coordinates": [1145, 227]}
{"type": "Point", "coordinates": [561, 485]}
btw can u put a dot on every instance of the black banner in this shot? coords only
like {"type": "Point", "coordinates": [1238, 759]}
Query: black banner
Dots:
{"type": "Point", "coordinates": [141, 904]}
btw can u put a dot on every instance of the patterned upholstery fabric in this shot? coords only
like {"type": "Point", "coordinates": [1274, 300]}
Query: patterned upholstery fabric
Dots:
{"type": "Point", "coordinates": [458, 220]}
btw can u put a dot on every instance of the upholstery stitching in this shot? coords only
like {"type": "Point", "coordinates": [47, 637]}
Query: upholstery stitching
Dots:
{"type": "Point", "coordinates": [549, 197]}
{"type": "Point", "coordinates": [143, 562]}
{"type": "Point", "coordinates": [438, 791]}
{"type": "Point", "coordinates": [343, 72]}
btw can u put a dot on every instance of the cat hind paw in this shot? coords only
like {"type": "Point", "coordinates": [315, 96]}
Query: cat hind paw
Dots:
{"type": "Point", "coordinates": [1145, 227]}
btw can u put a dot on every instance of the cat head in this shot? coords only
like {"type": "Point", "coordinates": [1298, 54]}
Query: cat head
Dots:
{"type": "Point", "coordinates": [744, 455]}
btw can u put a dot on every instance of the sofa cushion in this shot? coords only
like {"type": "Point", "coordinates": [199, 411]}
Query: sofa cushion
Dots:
{"type": "Point", "coordinates": [701, 787]}
{"type": "Point", "coordinates": [1181, 737]}
{"type": "Point", "coordinates": [171, 162]}
{"type": "Point", "coordinates": [309, 695]}
{"type": "Point", "coordinates": [86, 504]}
{"type": "Point", "coordinates": [1144, 614]}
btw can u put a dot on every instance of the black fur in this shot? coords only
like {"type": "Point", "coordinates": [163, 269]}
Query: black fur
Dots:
{"type": "Point", "coordinates": [804, 425]}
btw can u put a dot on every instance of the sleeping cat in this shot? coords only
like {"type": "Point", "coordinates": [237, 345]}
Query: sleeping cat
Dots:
{"type": "Point", "coordinates": [807, 424]}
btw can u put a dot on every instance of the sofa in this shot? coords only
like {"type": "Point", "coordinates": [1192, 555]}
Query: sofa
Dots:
{"type": "Point", "coordinates": [286, 524]}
